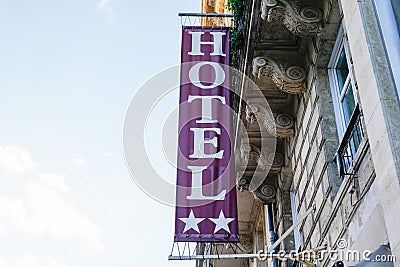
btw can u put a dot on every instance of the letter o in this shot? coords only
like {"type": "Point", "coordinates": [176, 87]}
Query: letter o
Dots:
{"type": "Point", "coordinates": [195, 79]}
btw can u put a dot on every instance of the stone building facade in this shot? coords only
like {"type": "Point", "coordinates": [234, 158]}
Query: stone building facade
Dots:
{"type": "Point", "coordinates": [214, 7]}
{"type": "Point", "coordinates": [329, 72]}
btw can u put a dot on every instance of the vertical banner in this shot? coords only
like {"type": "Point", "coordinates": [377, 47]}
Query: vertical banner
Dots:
{"type": "Point", "coordinates": [206, 207]}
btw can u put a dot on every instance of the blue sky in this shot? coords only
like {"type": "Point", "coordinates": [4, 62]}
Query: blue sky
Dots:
{"type": "Point", "coordinates": [68, 70]}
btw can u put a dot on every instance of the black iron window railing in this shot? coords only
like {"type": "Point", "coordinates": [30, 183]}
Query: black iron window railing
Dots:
{"type": "Point", "coordinates": [351, 142]}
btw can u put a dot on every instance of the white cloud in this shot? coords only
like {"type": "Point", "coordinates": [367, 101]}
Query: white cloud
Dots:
{"type": "Point", "coordinates": [15, 160]}
{"type": "Point", "coordinates": [107, 155]}
{"type": "Point", "coordinates": [53, 215]}
{"type": "Point", "coordinates": [79, 162]}
{"type": "Point", "coordinates": [49, 214]}
{"type": "Point", "coordinates": [55, 181]}
{"type": "Point", "coordinates": [12, 211]}
{"type": "Point", "coordinates": [53, 263]}
{"type": "Point", "coordinates": [28, 260]}
{"type": "Point", "coordinates": [2, 232]}
{"type": "Point", "coordinates": [105, 5]}
{"type": "Point", "coordinates": [4, 262]}
{"type": "Point", "coordinates": [94, 245]}
{"type": "Point", "coordinates": [44, 207]}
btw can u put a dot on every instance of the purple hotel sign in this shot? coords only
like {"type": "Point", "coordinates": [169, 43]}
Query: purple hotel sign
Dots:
{"type": "Point", "coordinates": [206, 209]}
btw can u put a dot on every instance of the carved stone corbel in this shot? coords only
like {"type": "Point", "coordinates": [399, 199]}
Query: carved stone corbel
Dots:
{"type": "Point", "coordinates": [277, 163]}
{"type": "Point", "coordinates": [282, 126]}
{"type": "Point", "coordinates": [250, 152]}
{"type": "Point", "coordinates": [246, 241]}
{"type": "Point", "coordinates": [266, 161]}
{"type": "Point", "coordinates": [289, 80]}
{"type": "Point", "coordinates": [265, 194]}
{"type": "Point", "coordinates": [243, 184]}
{"type": "Point", "coordinates": [305, 21]}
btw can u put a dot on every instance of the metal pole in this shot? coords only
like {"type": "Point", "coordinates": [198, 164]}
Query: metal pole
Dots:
{"type": "Point", "coordinates": [244, 73]}
{"type": "Point", "coordinates": [262, 256]}
{"type": "Point", "coordinates": [227, 256]}
{"type": "Point", "coordinates": [205, 15]}
{"type": "Point", "coordinates": [273, 235]}
{"type": "Point", "coordinates": [288, 231]}
{"type": "Point", "coordinates": [259, 255]}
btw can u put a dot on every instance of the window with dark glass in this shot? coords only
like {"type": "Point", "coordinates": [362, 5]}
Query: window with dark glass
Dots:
{"type": "Point", "coordinates": [347, 111]}
{"type": "Point", "coordinates": [347, 102]}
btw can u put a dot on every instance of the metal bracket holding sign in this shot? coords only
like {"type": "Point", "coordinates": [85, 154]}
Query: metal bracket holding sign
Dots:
{"type": "Point", "coordinates": [303, 256]}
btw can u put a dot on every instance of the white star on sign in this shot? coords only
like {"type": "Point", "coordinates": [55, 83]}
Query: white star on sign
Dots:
{"type": "Point", "coordinates": [222, 222]}
{"type": "Point", "coordinates": [191, 222]}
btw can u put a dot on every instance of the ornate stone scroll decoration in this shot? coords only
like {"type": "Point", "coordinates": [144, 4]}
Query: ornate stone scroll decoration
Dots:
{"type": "Point", "coordinates": [246, 241]}
{"type": "Point", "coordinates": [289, 80]}
{"type": "Point", "coordinates": [243, 184]}
{"type": "Point", "coordinates": [266, 161]}
{"type": "Point", "coordinates": [265, 194]}
{"type": "Point", "coordinates": [250, 152]}
{"type": "Point", "coordinates": [277, 162]}
{"type": "Point", "coordinates": [305, 21]}
{"type": "Point", "coordinates": [284, 125]}
{"type": "Point", "coordinates": [281, 126]}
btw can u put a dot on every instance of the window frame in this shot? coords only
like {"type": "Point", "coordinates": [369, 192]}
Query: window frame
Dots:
{"type": "Point", "coordinates": [337, 93]}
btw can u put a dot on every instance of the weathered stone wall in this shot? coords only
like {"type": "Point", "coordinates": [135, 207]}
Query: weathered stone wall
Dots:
{"type": "Point", "coordinates": [315, 176]}
{"type": "Point", "coordinates": [381, 112]}
{"type": "Point", "coordinates": [367, 217]}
